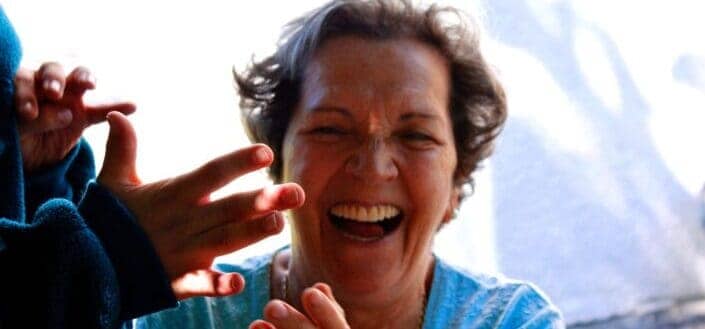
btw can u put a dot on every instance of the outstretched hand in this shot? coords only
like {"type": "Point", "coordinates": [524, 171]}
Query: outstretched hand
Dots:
{"type": "Point", "coordinates": [51, 112]}
{"type": "Point", "coordinates": [187, 229]}
{"type": "Point", "coordinates": [322, 312]}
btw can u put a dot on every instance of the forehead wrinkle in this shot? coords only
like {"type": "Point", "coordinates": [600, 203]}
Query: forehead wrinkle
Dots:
{"type": "Point", "coordinates": [374, 110]}
{"type": "Point", "coordinates": [374, 98]}
{"type": "Point", "coordinates": [380, 111]}
{"type": "Point", "coordinates": [409, 116]}
{"type": "Point", "coordinates": [325, 110]}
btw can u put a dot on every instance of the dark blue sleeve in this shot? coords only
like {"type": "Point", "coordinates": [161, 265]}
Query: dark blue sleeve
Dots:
{"type": "Point", "coordinates": [11, 191]}
{"type": "Point", "coordinates": [66, 180]}
{"type": "Point", "coordinates": [55, 270]}
{"type": "Point", "coordinates": [144, 286]}
{"type": "Point", "coordinates": [55, 273]}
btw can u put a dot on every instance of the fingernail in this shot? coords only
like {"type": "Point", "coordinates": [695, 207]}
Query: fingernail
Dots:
{"type": "Point", "coordinates": [27, 108]}
{"type": "Point", "coordinates": [53, 85]}
{"type": "Point", "coordinates": [278, 310]}
{"type": "Point", "coordinates": [64, 117]}
{"type": "Point", "coordinates": [262, 155]}
{"type": "Point", "coordinates": [87, 77]}
{"type": "Point", "coordinates": [291, 197]}
{"type": "Point", "coordinates": [271, 224]}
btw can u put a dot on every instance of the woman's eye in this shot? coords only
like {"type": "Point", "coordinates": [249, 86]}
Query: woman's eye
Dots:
{"type": "Point", "coordinates": [416, 136]}
{"type": "Point", "coordinates": [417, 139]}
{"type": "Point", "coordinates": [327, 130]}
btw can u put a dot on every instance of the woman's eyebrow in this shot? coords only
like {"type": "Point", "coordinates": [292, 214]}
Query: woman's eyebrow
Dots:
{"type": "Point", "coordinates": [331, 109]}
{"type": "Point", "coordinates": [408, 116]}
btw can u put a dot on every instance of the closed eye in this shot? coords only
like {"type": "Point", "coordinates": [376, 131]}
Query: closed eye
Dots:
{"type": "Point", "coordinates": [327, 130]}
{"type": "Point", "coordinates": [416, 136]}
{"type": "Point", "coordinates": [418, 139]}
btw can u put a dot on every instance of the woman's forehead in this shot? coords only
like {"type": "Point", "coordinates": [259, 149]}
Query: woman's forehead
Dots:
{"type": "Point", "coordinates": [356, 59]}
{"type": "Point", "coordinates": [361, 71]}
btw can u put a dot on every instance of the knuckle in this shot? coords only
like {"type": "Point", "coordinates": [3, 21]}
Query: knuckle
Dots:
{"type": "Point", "coordinates": [213, 170]}
{"type": "Point", "coordinates": [81, 70]}
{"type": "Point", "coordinates": [50, 67]}
{"type": "Point", "coordinates": [81, 74]}
{"type": "Point", "coordinates": [23, 79]}
{"type": "Point", "coordinates": [271, 198]}
{"type": "Point", "coordinates": [164, 192]}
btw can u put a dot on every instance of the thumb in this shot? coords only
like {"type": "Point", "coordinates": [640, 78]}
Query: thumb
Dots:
{"type": "Point", "coordinates": [120, 153]}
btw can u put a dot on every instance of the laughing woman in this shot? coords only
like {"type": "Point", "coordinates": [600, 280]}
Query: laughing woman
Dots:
{"type": "Point", "coordinates": [381, 111]}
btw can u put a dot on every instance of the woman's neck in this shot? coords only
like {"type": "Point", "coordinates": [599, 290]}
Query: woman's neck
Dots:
{"type": "Point", "coordinates": [408, 312]}
{"type": "Point", "coordinates": [399, 307]}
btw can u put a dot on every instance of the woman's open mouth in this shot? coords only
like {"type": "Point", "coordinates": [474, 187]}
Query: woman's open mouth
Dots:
{"type": "Point", "coordinates": [365, 223]}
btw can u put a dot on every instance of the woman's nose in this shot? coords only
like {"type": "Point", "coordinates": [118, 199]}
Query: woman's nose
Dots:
{"type": "Point", "coordinates": [372, 160]}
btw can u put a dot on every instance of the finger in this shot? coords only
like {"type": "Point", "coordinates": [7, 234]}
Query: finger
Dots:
{"type": "Point", "coordinates": [247, 205]}
{"type": "Point", "coordinates": [285, 316]}
{"type": "Point", "coordinates": [25, 97]}
{"type": "Point", "coordinates": [325, 289]}
{"type": "Point", "coordinates": [220, 171]}
{"type": "Point", "coordinates": [98, 113]}
{"type": "Point", "coordinates": [120, 153]}
{"type": "Point", "coordinates": [51, 118]}
{"type": "Point", "coordinates": [234, 236]}
{"type": "Point", "coordinates": [50, 80]}
{"type": "Point", "coordinates": [207, 283]}
{"type": "Point", "coordinates": [78, 81]}
{"type": "Point", "coordinates": [261, 324]}
{"type": "Point", "coordinates": [322, 310]}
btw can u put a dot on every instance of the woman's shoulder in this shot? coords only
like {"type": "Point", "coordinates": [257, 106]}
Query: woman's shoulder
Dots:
{"type": "Point", "coordinates": [452, 274]}
{"type": "Point", "coordinates": [462, 299]}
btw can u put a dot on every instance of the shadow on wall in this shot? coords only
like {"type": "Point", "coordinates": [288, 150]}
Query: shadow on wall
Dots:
{"type": "Point", "coordinates": [605, 235]}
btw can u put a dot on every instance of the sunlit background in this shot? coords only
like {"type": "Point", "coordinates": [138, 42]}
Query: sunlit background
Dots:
{"type": "Point", "coordinates": [594, 192]}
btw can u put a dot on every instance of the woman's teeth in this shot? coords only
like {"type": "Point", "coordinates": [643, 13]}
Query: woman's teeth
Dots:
{"type": "Point", "coordinates": [370, 214]}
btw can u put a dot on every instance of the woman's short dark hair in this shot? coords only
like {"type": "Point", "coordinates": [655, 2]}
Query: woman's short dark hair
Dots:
{"type": "Point", "coordinates": [270, 88]}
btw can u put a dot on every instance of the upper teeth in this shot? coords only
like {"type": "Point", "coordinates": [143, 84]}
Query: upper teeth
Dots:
{"type": "Point", "coordinates": [365, 214]}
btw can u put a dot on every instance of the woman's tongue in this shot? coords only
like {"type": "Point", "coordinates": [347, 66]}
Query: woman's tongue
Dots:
{"type": "Point", "coordinates": [360, 229]}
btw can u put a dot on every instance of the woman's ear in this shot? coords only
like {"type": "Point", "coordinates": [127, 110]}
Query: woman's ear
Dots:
{"type": "Point", "coordinates": [452, 205]}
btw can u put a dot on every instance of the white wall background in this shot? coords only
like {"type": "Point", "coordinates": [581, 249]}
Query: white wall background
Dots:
{"type": "Point", "coordinates": [593, 192]}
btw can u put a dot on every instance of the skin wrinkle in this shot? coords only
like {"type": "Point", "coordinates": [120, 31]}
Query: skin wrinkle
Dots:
{"type": "Point", "coordinates": [386, 278]}
{"type": "Point", "coordinates": [387, 61]}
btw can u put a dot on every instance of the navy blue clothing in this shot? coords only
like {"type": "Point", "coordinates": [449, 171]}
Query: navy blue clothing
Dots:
{"type": "Point", "coordinates": [71, 255]}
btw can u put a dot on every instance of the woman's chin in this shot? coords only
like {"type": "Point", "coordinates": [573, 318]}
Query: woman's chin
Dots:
{"type": "Point", "coordinates": [362, 264]}
{"type": "Point", "coordinates": [363, 283]}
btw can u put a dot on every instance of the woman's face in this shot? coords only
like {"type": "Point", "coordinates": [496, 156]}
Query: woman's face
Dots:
{"type": "Point", "coordinates": [371, 143]}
